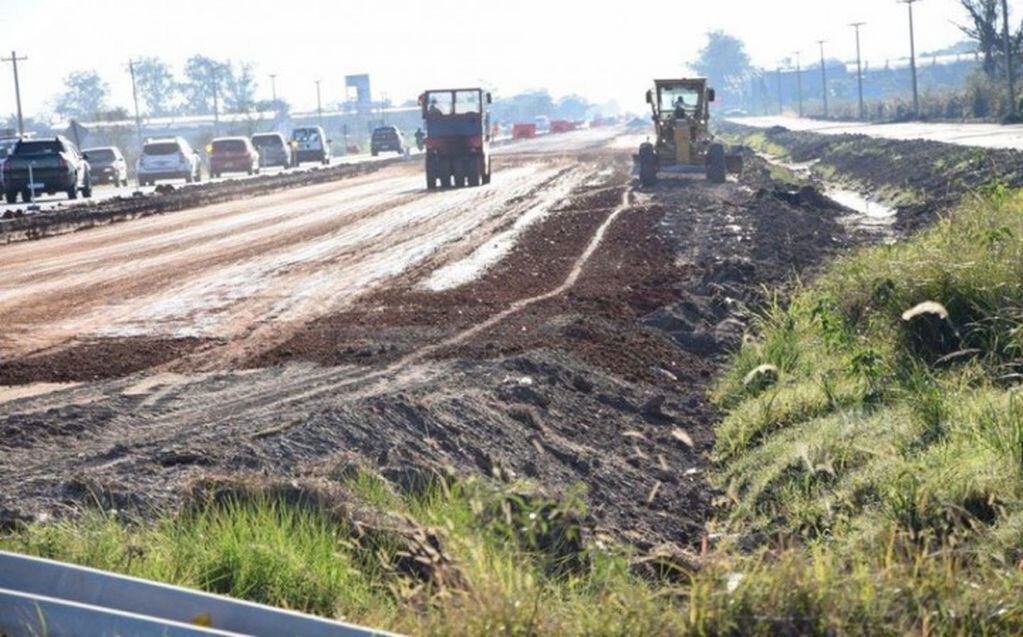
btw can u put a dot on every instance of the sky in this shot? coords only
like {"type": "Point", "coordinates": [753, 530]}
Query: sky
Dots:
{"type": "Point", "coordinates": [602, 50]}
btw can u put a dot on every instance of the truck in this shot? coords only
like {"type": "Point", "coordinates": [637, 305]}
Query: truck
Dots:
{"type": "Point", "coordinates": [457, 137]}
{"type": "Point", "coordinates": [47, 165]}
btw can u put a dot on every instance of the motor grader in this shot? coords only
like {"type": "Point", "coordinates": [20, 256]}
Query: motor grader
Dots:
{"type": "Point", "coordinates": [681, 114]}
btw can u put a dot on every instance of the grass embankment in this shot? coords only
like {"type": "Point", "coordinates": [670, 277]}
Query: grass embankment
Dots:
{"type": "Point", "coordinates": [888, 456]}
{"type": "Point", "coordinates": [875, 487]}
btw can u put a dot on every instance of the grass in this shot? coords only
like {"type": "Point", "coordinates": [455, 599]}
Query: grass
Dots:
{"type": "Point", "coordinates": [875, 488]}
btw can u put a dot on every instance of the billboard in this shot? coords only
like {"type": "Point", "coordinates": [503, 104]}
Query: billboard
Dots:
{"type": "Point", "coordinates": [362, 97]}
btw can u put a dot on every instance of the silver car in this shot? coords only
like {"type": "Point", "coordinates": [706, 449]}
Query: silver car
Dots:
{"type": "Point", "coordinates": [170, 158]}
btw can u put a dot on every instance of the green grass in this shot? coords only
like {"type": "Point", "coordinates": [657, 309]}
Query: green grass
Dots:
{"type": "Point", "coordinates": [875, 488]}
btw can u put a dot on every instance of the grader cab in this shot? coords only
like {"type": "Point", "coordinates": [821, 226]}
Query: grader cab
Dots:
{"type": "Point", "coordinates": [681, 114]}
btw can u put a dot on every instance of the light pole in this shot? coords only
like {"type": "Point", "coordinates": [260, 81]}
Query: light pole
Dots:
{"type": "Point", "coordinates": [14, 59]}
{"type": "Point", "coordinates": [859, 68]}
{"type": "Point", "coordinates": [135, 98]}
{"type": "Point", "coordinates": [781, 100]}
{"type": "Point", "coordinates": [824, 79]}
{"type": "Point", "coordinates": [319, 105]}
{"type": "Point", "coordinates": [799, 80]}
{"type": "Point", "coordinates": [912, 57]}
{"type": "Point", "coordinates": [1013, 110]}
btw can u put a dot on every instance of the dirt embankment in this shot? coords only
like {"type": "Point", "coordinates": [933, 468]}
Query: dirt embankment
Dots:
{"type": "Point", "coordinates": [602, 386]}
{"type": "Point", "coordinates": [933, 176]}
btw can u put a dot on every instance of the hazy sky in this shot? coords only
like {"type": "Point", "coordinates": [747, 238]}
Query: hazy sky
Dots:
{"type": "Point", "coordinates": [604, 50]}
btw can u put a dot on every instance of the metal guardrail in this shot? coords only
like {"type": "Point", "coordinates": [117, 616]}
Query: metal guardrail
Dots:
{"type": "Point", "coordinates": [43, 598]}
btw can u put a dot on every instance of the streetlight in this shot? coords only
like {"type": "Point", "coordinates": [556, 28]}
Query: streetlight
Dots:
{"type": "Point", "coordinates": [859, 67]}
{"type": "Point", "coordinates": [1008, 59]}
{"type": "Point", "coordinates": [799, 80]}
{"type": "Point", "coordinates": [781, 100]}
{"type": "Point", "coordinates": [824, 79]}
{"type": "Point", "coordinates": [912, 56]}
{"type": "Point", "coordinates": [14, 59]}
{"type": "Point", "coordinates": [319, 105]}
{"type": "Point", "coordinates": [135, 98]}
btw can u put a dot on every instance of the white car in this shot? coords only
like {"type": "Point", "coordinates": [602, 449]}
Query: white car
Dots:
{"type": "Point", "coordinates": [171, 158]}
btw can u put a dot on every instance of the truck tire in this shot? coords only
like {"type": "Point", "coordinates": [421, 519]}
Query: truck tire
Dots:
{"type": "Point", "coordinates": [87, 188]}
{"type": "Point", "coordinates": [26, 195]}
{"type": "Point", "coordinates": [11, 196]}
{"type": "Point", "coordinates": [647, 165]}
{"type": "Point", "coordinates": [717, 170]}
{"type": "Point", "coordinates": [72, 193]}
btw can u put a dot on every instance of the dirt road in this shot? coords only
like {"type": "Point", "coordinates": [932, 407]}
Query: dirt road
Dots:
{"type": "Point", "coordinates": [979, 135]}
{"type": "Point", "coordinates": [557, 326]}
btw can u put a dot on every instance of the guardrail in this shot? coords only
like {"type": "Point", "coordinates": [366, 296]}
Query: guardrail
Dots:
{"type": "Point", "coordinates": [43, 598]}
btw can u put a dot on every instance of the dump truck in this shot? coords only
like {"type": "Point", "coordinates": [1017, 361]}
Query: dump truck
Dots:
{"type": "Point", "coordinates": [681, 115]}
{"type": "Point", "coordinates": [457, 123]}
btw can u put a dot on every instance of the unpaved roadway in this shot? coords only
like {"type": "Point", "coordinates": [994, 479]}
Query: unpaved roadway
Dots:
{"type": "Point", "coordinates": [962, 134]}
{"type": "Point", "coordinates": [557, 326]}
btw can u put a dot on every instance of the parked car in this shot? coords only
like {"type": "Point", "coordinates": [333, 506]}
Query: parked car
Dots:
{"type": "Point", "coordinates": [45, 166]}
{"type": "Point", "coordinates": [387, 138]}
{"type": "Point", "coordinates": [233, 155]}
{"type": "Point", "coordinates": [170, 158]}
{"type": "Point", "coordinates": [273, 150]}
{"type": "Point", "coordinates": [309, 144]}
{"type": "Point", "coordinates": [107, 165]}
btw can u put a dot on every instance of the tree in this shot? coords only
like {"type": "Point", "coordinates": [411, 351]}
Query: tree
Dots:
{"type": "Point", "coordinates": [157, 88]}
{"type": "Point", "coordinates": [724, 62]}
{"type": "Point", "coordinates": [983, 29]}
{"type": "Point", "coordinates": [572, 107]}
{"type": "Point", "coordinates": [205, 78]}
{"type": "Point", "coordinates": [239, 88]}
{"type": "Point", "coordinates": [85, 95]}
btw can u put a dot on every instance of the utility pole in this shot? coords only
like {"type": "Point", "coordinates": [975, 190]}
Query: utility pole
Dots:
{"type": "Point", "coordinates": [912, 57]}
{"type": "Point", "coordinates": [781, 100]}
{"type": "Point", "coordinates": [14, 59]}
{"type": "Point", "coordinates": [319, 105]}
{"type": "Point", "coordinates": [859, 68]}
{"type": "Point", "coordinates": [824, 79]}
{"type": "Point", "coordinates": [1013, 108]}
{"type": "Point", "coordinates": [216, 101]}
{"type": "Point", "coordinates": [135, 97]}
{"type": "Point", "coordinates": [799, 80]}
{"type": "Point", "coordinates": [273, 87]}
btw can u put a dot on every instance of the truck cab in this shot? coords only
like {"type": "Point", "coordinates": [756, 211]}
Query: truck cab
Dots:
{"type": "Point", "coordinates": [457, 124]}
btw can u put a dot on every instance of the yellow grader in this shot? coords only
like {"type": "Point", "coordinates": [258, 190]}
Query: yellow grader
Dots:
{"type": "Point", "coordinates": [681, 110]}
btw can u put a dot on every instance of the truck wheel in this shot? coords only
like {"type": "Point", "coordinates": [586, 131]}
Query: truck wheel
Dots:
{"type": "Point", "coordinates": [474, 177]}
{"type": "Point", "coordinates": [486, 179]}
{"type": "Point", "coordinates": [87, 189]}
{"type": "Point", "coordinates": [717, 169]}
{"type": "Point", "coordinates": [26, 195]}
{"type": "Point", "coordinates": [188, 178]}
{"type": "Point", "coordinates": [647, 165]}
{"type": "Point", "coordinates": [445, 180]}
{"type": "Point", "coordinates": [73, 192]}
{"type": "Point", "coordinates": [11, 196]}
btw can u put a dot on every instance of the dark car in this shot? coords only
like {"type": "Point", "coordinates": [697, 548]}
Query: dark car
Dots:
{"type": "Point", "coordinates": [387, 138]}
{"type": "Point", "coordinates": [273, 150]}
{"type": "Point", "coordinates": [309, 143]}
{"type": "Point", "coordinates": [107, 165]}
{"type": "Point", "coordinates": [233, 155]}
{"type": "Point", "coordinates": [46, 166]}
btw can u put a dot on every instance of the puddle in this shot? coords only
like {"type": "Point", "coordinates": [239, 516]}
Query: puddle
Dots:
{"type": "Point", "coordinates": [869, 213]}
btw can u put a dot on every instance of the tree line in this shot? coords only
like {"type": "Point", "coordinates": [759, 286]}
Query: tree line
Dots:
{"type": "Point", "coordinates": [86, 95]}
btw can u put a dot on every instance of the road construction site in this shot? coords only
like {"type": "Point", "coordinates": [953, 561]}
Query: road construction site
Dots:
{"type": "Point", "coordinates": [561, 326]}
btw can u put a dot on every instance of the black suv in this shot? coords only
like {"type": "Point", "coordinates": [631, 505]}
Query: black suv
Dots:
{"type": "Point", "coordinates": [387, 138]}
